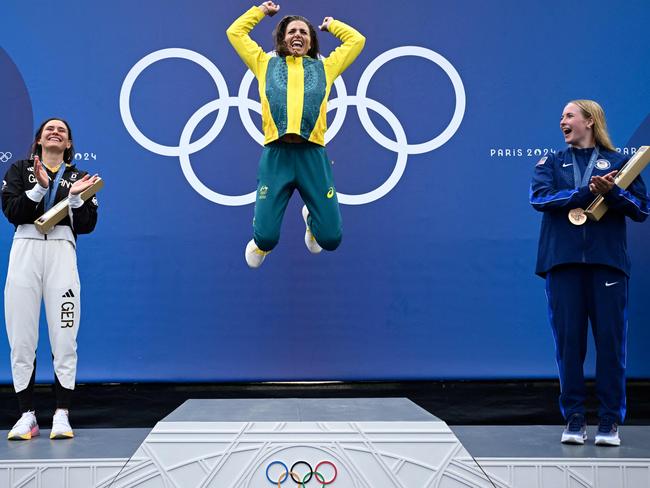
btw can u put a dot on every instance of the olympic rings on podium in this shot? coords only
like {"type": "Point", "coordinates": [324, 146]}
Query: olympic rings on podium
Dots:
{"type": "Point", "coordinates": [307, 477]}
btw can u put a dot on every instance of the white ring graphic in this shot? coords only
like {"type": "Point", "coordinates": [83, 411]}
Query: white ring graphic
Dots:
{"type": "Point", "coordinates": [125, 96]}
{"type": "Point", "coordinates": [402, 154]}
{"type": "Point", "coordinates": [432, 56]}
{"type": "Point", "coordinates": [5, 156]}
{"type": "Point", "coordinates": [244, 105]}
{"type": "Point", "coordinates": [184, 157]}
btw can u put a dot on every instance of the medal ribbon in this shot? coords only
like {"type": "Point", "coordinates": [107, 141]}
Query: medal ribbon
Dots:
{"type": "Point", "coordinates": [588, 170]}
{"type": "Point", "coordinates": [50, 196]}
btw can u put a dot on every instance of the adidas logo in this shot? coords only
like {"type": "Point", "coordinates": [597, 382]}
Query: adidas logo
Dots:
{"type": "Point", "coordinates": [68, 294]}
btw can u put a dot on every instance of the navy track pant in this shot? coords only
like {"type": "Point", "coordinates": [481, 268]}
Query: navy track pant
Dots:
{"type": "Point", "coordinates": [579, 294]}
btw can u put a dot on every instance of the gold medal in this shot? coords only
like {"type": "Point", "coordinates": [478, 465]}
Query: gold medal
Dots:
{"type": "Point", "coordinates": [577, 216]}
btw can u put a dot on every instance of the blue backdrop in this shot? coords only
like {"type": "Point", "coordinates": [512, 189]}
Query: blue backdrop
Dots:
{"type": "Point", "coordinates": [434, 278]}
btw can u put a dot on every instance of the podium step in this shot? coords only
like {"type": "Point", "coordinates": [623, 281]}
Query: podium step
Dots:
{"type": "Point", "coordinates": [360, 443]}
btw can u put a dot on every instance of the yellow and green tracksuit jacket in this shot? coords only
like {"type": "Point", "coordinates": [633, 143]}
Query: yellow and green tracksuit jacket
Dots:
{"type": "Point", "coordinates": [294, 90]}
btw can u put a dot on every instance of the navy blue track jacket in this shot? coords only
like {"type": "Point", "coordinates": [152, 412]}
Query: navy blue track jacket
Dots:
{"type": "Point", "coordinates": [553, 192]}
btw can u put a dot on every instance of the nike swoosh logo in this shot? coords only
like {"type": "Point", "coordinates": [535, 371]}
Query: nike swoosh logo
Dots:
{"type": "Point", "coordinates": [564, 165]}
{"type": "Point", "coordinates": [608, 284]}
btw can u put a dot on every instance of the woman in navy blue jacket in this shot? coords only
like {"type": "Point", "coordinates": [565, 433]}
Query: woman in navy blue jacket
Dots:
{"type": "Point", "coordinates": [586, 265]}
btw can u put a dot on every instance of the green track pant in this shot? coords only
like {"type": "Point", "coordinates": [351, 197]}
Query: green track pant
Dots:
{"type": "Point", "coordinates": [283, 168]}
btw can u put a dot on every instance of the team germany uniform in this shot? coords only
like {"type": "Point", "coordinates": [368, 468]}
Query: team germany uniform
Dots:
{"type": "Point", "coordinates": [43, 267]}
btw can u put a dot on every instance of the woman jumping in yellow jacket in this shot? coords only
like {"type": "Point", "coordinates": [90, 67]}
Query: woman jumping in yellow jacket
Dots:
{"type": "Point", "coordinates": [294, 86]}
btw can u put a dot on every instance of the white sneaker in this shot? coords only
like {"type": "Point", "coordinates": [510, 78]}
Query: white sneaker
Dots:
{"type": "Point", "coordinates": [61, 425]}
{"type": "Point", "coordinates": [25, 428]}
{"type": "Point", "coordinates": [607, 434]}
{"type": "Point", "coordinates": [254, 255]}
{"type": "Point", "coordinates": [575, 431]}
{"type": "Point", "coordinates": [310, 241]}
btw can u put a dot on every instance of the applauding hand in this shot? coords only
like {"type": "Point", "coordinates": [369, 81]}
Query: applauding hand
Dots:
{"type": "Point", "coordinates": [40, 173]}
{"type": "Point", "coordinates": [82, 184]}
{"type": "Point", "coordinates": [599, 185]}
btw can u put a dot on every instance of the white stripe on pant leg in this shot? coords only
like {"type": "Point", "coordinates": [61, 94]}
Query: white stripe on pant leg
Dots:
{"type": "Point", "coordinates": [23, 307]}
{"type": "Point", "coordinates": [61, 290]}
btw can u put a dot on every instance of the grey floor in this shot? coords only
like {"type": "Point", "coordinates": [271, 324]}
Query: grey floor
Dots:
{"type": "Point", "coordinates": [543, 441]}
{"type": "Point", "coordinates": [526, 442]}
{"type": "Point", "coordinates": [87, 444]}
{"type": "Point", "coordinates": [536, 441]}
{"type": "Point", "coordinates": [301, 410]}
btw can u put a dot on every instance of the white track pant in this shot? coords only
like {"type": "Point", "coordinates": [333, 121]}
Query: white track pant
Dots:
{"type": "Point", "coordinates": [42, 269]}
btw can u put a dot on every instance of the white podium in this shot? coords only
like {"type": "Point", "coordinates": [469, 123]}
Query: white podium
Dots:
{"type": "Point", "coordinates": [378, 443]}
{"type": "Point", "coordinates": [337, 443]}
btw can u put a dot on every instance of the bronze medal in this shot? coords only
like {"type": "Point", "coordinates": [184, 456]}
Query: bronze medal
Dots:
{"type": "Point", "coordinates": [577, 216]}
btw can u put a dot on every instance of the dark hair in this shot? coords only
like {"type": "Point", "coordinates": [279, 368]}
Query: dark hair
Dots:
{"type": "Point", "coordinates": [37, 150]}
{"type": "Point", "coordinates": [281, 29]}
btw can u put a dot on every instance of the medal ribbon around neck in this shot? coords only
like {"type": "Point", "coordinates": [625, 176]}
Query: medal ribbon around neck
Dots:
{"type": "Point", "coordinates": [588, 170]}
{"type": "Point", "coordinates": [50, 196]}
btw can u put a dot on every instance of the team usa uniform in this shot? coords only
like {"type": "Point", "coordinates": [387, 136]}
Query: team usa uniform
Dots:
{"type": "Point", "coordinates": [293, 93]}
{"type": "Point", "coordinates": [43, 267]}
{"type": "Point", "coordinates": [586, 269]}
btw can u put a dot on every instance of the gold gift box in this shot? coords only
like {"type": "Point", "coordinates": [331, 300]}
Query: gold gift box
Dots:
{"type": "Point", "coordinates": [623, 178]}
{"type": "Point", "coordinates": [58, 212]}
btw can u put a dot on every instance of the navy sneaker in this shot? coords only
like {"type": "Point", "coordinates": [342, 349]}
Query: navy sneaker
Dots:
{"type": "Point", "coordinates": [607, 434]}
{"type": "Point", "coordinates": [575, 431]}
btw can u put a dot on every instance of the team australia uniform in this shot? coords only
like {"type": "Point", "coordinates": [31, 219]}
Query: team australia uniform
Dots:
{"type": "Point", "coordinates": [586, 269]}
{"type": "Point", "coordinates": [293, 93]}
{"type": "Point", "coordinates": [43, 267]}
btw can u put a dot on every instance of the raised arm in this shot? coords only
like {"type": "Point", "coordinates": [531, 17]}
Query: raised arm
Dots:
{"type": "Point", "coordinates": [250, 52]}
{"type": "Point", "coordinates": [346, 53]}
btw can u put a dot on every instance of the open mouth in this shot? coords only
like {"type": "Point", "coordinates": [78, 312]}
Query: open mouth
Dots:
{"type": "Point", "coordinates": [297, 44]}
{"type": "Point", "coordinates": [567, 130]}
{"type": "Point", "coordinates": [57, 139]}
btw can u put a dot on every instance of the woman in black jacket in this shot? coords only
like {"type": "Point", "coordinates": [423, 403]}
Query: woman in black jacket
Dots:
{"type": "Point", "coordinates": [44, 267]}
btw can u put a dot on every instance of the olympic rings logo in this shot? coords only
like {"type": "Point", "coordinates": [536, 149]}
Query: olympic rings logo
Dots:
{"type": "Point", "coordinates": [185, 147]}
{"type": "Point", "coordinates": [5, 156]}
{"type": "Point", "coordinates": [299, 479]}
